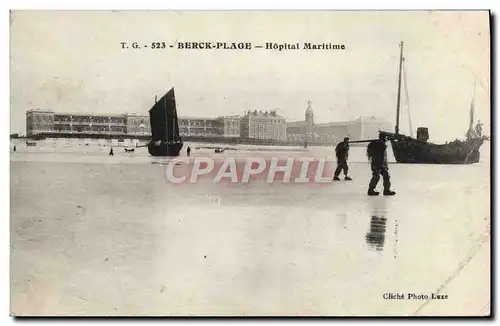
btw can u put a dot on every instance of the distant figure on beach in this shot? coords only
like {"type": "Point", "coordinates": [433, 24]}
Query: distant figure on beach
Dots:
{"type": "Point", "coordinates": [14, 148]}
{"type": "Point", "coordinates": [189, 151]}
{"type": "Point", "coordinates": [111, 152]}
{"type": "Point", "coordinates": [377, 154]}
{"type": "Point", "coordinates": [342, 153]}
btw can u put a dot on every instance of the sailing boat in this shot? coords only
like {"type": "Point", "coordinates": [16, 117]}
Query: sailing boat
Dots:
{"type": "Point", "coordinates": [166, 140]}
{"type": "Point", "coordinates": [418, 150]}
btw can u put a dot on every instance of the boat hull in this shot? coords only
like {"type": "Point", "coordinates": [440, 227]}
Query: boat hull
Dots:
{"type": "Point", "coordinates": [165, 149]}
{"type": "Point", "coordinates": [414, 151]}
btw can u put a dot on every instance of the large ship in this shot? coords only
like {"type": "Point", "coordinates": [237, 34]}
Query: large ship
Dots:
{"type": "Point", "coordinates": [418, 150]}
{"type": "Point", "coordinates": [166, 140]}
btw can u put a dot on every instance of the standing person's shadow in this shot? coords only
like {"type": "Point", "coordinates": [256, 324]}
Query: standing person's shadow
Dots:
{"type": "Point", "coordinates": [375, 237]}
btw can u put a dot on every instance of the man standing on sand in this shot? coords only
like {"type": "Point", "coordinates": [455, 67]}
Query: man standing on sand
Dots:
{"type": "Point", "coordinates": [189, 151]}
{"type": "Point", "coordinates": [377, 154]}
{"type": "Point", "coordinates": [342, 153]}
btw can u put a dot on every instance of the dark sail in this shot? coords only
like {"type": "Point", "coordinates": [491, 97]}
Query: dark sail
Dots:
{"type": "Point", "coordinates": [166, 140]}
{"type": "Point", "coordinates": [163, 118]}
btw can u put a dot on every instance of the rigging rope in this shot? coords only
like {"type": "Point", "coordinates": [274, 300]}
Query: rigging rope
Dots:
{"type": "Point", "coordinates": [405, 83]}
{"type": "Point", "coordinates": [479, 142]}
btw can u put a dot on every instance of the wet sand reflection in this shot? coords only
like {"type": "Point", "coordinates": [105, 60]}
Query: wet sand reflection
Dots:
{"type": "Point", "coordinates": [375, 237]}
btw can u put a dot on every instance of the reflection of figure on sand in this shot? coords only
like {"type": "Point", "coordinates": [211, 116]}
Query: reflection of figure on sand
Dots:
{"type": "Point", "coordinates": [375, 237]}
{"type": "Point", "coordinates": [111, 152]}
{"type": "Point", "coordinates": [377, 154]}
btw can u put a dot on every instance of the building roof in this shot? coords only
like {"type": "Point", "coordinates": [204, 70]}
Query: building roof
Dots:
{"type": "Point", "coordinates": [335, 123]}
{"type": "Point", "coordinates": [197, 118]}
{"type": "Point", "coordinates": [87, 114]}
{"type": "Point", "coordinates": [263, 113]}
{"type": "Point", "coordinates": [39, 110]}
{"type": "Point", "coordinates": [229, 117]}
{"type": "Point", "coordinates": [114, 115]}
{"type": "Point", "coordinates": [295, 123]}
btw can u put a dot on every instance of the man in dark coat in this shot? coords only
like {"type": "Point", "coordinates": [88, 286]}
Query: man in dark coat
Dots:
{"type": "Point", "coordinates": [342, 153]}
{"type": "Point", "coordinates": [377, 153]}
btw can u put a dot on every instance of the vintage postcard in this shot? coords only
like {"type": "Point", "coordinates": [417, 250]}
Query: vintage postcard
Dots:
{"type": "Point", "coordinates": [250, 163]}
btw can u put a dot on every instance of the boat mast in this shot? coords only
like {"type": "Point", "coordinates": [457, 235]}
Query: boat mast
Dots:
{"type": "Point", "coordinates": [398, 104]}
{"type": "Point", "coordinates": [166, 120]}
{"type": "Point", "coordinates": [151, 122]}
{"type": "Point", "coordinates": [405, 84]}
{"type": "Point", "coordinates": [174, 121]}
{"type": "Point", "coordinates": [471, 113]}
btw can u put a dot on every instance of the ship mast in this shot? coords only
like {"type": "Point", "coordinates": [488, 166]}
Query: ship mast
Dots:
{"type": "Point", "coordinates": [471, 113]}
{"type": "Point", "coordinates": [405, 84]}
{"type": "Point", "coordinates": [166, 121]}
{"type": "Point", "coordinates": [398, 104]}
{"type": "Point", "coordinates": [174, 120]}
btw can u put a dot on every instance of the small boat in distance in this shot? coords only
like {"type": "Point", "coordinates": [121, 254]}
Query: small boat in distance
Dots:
{"type": "Point", "coordinates": [418, 150]}
{"type": "Point", "coordinates": [166, 140]}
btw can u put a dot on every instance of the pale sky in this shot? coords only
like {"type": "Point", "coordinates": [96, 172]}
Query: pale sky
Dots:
{"type": "Point", "coordinates": [73, 62]}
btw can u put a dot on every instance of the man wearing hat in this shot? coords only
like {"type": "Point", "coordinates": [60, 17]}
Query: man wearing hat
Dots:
{"type": "Point", "coordinates": [377, 154]}
{"type": "Point", "coordinates": [342, 153]}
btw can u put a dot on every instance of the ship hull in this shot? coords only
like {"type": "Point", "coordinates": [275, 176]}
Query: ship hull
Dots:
{"type": "Point", "coordinates": [414, 151]}
{"type": "Point", "coordinates": [165, 149]}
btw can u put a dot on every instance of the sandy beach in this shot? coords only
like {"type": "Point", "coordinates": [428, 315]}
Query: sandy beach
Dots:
{"type": "Point", "coordinates": [99, 235]}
